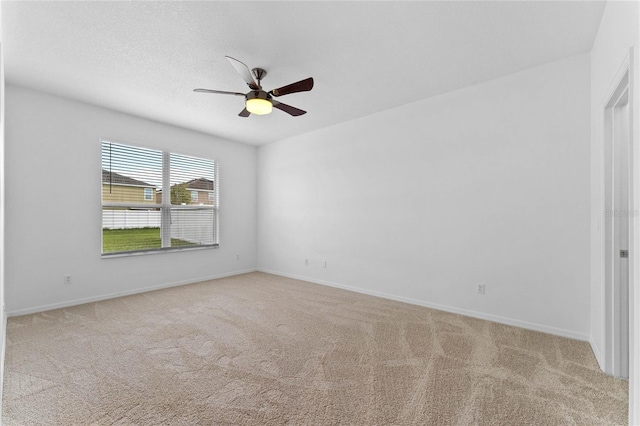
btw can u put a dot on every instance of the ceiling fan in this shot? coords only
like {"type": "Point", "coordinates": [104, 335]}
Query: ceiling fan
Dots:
{"type": "Point", "coordinates": [258, 101]}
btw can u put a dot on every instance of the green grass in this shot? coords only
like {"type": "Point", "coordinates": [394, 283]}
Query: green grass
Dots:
{"type": "Point", "coordinates": [114, 240]}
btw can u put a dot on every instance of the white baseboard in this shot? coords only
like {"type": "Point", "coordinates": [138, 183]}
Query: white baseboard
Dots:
{"type": "Point", "coordinates": [452, 309]}
{"type": "Point", "coordinates": [596, 353]}
{"type": "Point", "coordinates": [81, 301]}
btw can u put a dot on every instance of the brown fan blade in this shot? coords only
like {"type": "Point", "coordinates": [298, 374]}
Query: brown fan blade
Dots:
{"type": "Point", "coordinates": [288, 108]}
{"type": "Point", "coordinates": [244, 113]}
{"type": "Point", "coordinates": [299, 86]}
{"type": "Point", "coordinates": [222, 92]}
{"type": "Point", "coordinates": [244, 72]}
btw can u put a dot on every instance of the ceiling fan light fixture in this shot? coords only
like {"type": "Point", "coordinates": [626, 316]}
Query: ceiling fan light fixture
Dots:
{"type": "Point", "coordinates": [259, 106]}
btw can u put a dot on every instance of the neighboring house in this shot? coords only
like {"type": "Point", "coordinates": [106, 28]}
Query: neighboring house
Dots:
{"type": "Point", "coordinates": [196, 191]}
{"type": "Point", "coordinates": [117, 188]}
{"type": "Point", "coordinates": [201, 191]}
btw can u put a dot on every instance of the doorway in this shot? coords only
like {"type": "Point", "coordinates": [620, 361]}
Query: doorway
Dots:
{"type": "Point", "coordinates": [618, 214]}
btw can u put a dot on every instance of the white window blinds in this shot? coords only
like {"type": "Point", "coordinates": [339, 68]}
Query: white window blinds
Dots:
{"type": "Point", "coordinates": [156, 200]}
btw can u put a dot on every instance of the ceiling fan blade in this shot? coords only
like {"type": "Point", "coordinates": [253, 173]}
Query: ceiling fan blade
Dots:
{"type": "Point", "coordinates": [244, 72]}
{"type": "Point", "coordinates": [299, 86]}
{"type": "Point", "coordinates": [222, 92]}
{"type": "Point", "coordinates": [244, 113]}
{"type": "Point", "coordinates": [288, 108]}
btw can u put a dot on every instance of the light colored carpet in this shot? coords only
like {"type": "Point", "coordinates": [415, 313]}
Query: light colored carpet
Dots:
{"type": "Point", "coordinates": [258, 349]}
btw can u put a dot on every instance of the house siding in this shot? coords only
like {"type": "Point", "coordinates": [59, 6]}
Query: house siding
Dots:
{"type": "Point", "coordinates": [203, 197]}
{"type": "Point", "coordinates": [124, 194]}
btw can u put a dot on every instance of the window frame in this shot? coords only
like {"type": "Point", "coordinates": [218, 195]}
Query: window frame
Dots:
{"type": "Point", "coordinates": [165, 206]}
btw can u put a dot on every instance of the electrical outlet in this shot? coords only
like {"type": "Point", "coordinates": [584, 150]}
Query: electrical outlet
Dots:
{"type": "Point", "coordinates": [306, 262]}
{"type": "Point", "coordinates": [67, 279]}
{"type": "Point", "coordinates": [480, 288]}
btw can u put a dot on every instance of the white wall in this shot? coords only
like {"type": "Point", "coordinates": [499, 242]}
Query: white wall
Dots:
{"type": "Point", "coordinates": [618, 32]}
{"type": "Point", "coordinates": [488, 184]}
{"type": "Point", "coordinates": [53, 153]}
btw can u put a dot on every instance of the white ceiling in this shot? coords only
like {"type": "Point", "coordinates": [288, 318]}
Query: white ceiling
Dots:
{"type": "Point", "coordinates": [145, 58]}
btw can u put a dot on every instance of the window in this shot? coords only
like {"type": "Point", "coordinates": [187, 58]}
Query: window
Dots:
{"type": "Point", "coordinates": [212, 197]}
{"type": "Point", "coordinates": [194, 196]}
{"type": "Point", "coordinates": [146, 206]}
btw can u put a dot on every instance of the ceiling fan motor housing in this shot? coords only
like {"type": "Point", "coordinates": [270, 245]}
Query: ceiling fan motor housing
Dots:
{"type": "Point", "coordinates": [258, 94]}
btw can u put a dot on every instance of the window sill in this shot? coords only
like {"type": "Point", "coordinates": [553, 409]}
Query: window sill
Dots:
{"type": "Point", "coordinates": [157, 251]}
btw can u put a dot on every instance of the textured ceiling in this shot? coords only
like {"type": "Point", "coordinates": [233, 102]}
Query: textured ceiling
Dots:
{"type": "Point", "coordinates": [145, 58]}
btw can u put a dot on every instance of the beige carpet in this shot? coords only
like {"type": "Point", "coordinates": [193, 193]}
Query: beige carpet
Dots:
{"type": "Point", "coordinates": [258, 349]}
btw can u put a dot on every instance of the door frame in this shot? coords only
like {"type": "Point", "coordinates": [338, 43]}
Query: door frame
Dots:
{"type": "Point", "coordinates": [634, 234]}
{"type": "Point", "coordinates": [615, 213]}
{"type": "Point", "coordinates": [630, 70]}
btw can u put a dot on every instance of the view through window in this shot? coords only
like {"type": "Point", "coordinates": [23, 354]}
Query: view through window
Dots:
{"type": "Point", "coordinates": [156, 200]}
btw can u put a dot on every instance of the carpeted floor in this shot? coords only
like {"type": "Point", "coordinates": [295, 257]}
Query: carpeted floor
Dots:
{"type": "Point", "coordinates": [258, 349]}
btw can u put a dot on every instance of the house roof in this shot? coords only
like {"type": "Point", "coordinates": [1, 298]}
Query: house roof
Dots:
{"type": "Point", "coordinates": [118, 179]}
{"type": "Point", "coordinates": [200, 183]}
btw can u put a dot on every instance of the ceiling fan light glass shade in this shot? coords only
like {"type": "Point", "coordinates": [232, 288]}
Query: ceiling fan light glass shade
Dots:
{"type": "Point", "coordinates": [259, 106]}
